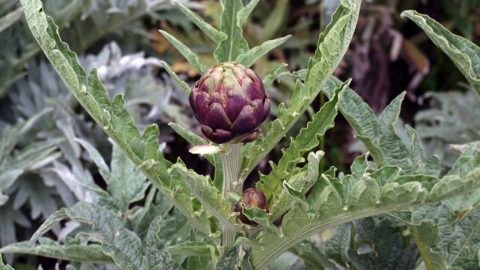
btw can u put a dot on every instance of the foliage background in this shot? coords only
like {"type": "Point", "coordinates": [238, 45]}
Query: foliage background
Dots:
{"type": "Point", "coordinates": [43, 167]}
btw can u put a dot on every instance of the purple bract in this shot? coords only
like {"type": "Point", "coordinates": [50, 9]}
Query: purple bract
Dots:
{"type": "Point", "coordinates": [230, 103]}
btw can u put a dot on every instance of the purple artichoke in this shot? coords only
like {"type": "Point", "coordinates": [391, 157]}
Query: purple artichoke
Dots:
{"type": "Point", "coordinates": [230, 103]}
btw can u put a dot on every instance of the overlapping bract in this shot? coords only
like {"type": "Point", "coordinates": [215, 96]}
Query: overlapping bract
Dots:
{"type": "Point", "coordinates": [230, 103]}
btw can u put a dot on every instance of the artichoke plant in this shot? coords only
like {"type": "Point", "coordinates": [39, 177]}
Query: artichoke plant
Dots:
{"type": "Point", "coordinates": [230, 103]}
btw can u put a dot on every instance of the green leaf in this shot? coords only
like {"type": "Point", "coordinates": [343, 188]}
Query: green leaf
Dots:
{"type": "Point", "coordinates": [273, 74]}
{"type": "Point", "coordinates": [230, 48]}
{"type": "Point", "coordinates": [3, 266]}
{"type": "Point", "coordinates": [259, 216]}
{"type": "Point", "coordinates": [49, 223]}
{"type": "Point", "coordinates": [362, 119]}
{"type": "Point", "coordinates": [447, 240]}
{"type": "Point", "coordinates": [68, 252]}
{"type": "Point", "coordinates": [333, 201]}
{"type": "Point", "coordinates": [306, 140]}
{"type": "Point", "coordinates": [190, 249]}
{"type": "Point", "coordinates": [331, 47]}
{"type": "Point", "coordinates": [466, 169]}
{"type": "Point", "coordinates": [122, 245]}
{"type": "Point", "coordinates": [127, 184]}
{"type": "Point", "coordinates": [97, 159]}
{"type": "Point", "coordinates": [464, 53]}
{"type": "Point", "coordinates": [234, 258]}
{"type": "Point", "coordinates": [211, 199]}
{"type": "Point", "coordinates": [112, 116]}
{"type": "Point", "coordinates": [186, 52]}
{"type": "Point", "coordinates": [380, 136]}
{"type": "Point", "coordinates": [380, 245]}
{"type": "Point", "coordinates": [276, 18]}
{"type": "Point", "coordinates": [450, 120]}
{"type": "Point", "coordinates": [14, 163]}
{"type": "Point", "coordinates": [245, 12]}
{"type": "Point", "coordinates": [251, 56]}
{"type": "Point", "coordinates": [186, 89]}
{"type": "Point", "coordinates": [300, 184]}
{"type": "Point", "coordinates": [209, 30]}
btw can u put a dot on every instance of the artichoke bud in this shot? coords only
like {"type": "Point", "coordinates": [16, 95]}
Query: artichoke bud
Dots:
{"type": "Point", "coordinates": [251, 197]}
{"type": "Point", "coordinates": [230, 103]}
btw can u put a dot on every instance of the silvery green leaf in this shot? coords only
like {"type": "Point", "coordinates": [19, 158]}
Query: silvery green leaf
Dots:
{"type": "Point", "coordinates": [209, 30]}
{"type": "Point", "coordinates": [234, 258]}
{"type": "Point", "coordinates": [251, 56]}
{"type": "Point", "coordinates": [331, 47]}
{"type": "Point", "coordinates": [111, 115]}
{"type": "Point", "coordinates": [365, 192]}
{"type": "Point", "coordinates": [464, 53]}
{"type": "Point", "coordinates": [447, 240]}
{"type": "Point", "coordinates": [451, 119]}
{"type": "Point", "coordinates": [9, 222]}
{"type": "Point", "coordinates": [235, 44]}
{"type": "Point", "coordinates": [306, 140]}
{"type": "Point", "coordinates": [273, 74]}
{"type": "Point", "coordinates": [3, 266]}
{"type": "Point", "coordinates": [186, 52]}
{"type": "Point", "coordinates": [186, 89]}
{"type": "Point", "coordinates": [51, 249]}
{"type": "Point", "coordinates": [244, 12]}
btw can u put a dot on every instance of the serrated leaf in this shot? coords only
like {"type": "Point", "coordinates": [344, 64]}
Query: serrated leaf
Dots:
{"type": "Point", "coordinates": [362, 119]}
{"type": "Point", "coordinates": [299, 184]}
{"type": "Point", "coordinates": [328, 197]}
{"type": "Point", "coordinates": [259, 216]}
{"type": "Point", "coordinates": [380, 245]}
{"type": "Point", "coordinates": [331, 47]}
{"type": "Point", "coordinates": [251, 56]}
{"type": "Point", "coordinates": [464, 53]}
{"type": "Point", "coordinates": [306, 140]}
{"type": "Point", "coordinates": [234, 258]}
{"type": "Point", "coordinates": [68, 252]}
{"type": "Point", "coordinates": [453, 184]}
{"type": "Point", "coordinates": [244, 12]}
{"type": "Point", "coordinates": [206, 193]}
{"type": "Point", "coordinates": [49, 223]}
{"type": "Point", "coordinates": [150, 137]}
{"type": "Point", "coordinates": [97, 159]}
{"type": "Point", "coordinates": [235, 44]}
{"type": "Point", "coordinates": [447, 240]}
{"type": "Point", "coordinates": [186, 52]}
{"type": "Point", "coordinates": [209, 30]}
{"type": "Point", "coordinates": [127, 184]}
{"type": "Point", "coordinates": [122, 245]}
{"type": "Point", "coordinates": [114, 118]}
{"type": "Point", "coordinates": [380, 136]}
{"type": "Point", "coordinates": [273, 74]}
{"type": "Point", "coordinates": [186, 89]}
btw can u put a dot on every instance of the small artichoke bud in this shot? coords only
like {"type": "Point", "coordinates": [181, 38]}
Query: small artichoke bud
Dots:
{"type": "Point", "coordinates": [251, 197]}
{"type": "Point", "coordinates": [230, 103]}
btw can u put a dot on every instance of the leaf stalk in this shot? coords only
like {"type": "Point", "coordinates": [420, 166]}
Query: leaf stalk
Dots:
{"type": "Point", "coordinates": [231, 163]}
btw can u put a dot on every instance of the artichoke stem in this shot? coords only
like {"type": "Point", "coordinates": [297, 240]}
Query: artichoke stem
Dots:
{"type": "Point", "coordinates": [231, 163]}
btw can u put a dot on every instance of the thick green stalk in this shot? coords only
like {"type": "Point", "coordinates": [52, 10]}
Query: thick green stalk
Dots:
{"type": "Point", "coordinates": [231, 163]}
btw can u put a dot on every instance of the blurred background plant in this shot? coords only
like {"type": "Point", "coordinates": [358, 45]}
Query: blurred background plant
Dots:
{"type": "Point", "coordinates": [43, 165]}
